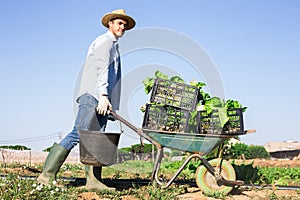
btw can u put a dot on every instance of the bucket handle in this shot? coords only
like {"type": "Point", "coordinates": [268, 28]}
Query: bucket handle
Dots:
{"type": "Point", "coordinates": [108, 112]}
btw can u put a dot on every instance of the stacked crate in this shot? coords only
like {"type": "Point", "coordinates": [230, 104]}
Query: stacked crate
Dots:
{"type": "Point", "coordinates": [211, 124]}
{"type": "Point", "coordinates": [170, 106]}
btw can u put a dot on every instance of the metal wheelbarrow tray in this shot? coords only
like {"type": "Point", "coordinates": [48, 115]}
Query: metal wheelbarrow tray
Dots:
{"type": "Point", "coordinates": [214, 175]}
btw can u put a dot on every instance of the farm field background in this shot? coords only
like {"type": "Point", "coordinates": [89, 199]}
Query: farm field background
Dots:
{"type": "Point", "coordinates": [15, 187]}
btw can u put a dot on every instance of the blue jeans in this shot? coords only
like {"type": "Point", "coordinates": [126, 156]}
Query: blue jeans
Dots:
{"type": "Point", "coordinates": [87, 119]}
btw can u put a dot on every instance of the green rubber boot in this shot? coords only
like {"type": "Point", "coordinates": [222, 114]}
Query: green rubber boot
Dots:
{"type": "Point", "coordinates": [93, 179]}
{"type": "Point", "coordinates": [55, 159]}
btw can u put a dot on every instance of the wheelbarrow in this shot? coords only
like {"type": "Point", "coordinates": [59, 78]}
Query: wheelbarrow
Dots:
{"type": "Point", "coordinates": [214, 175]}
{"type": "Point", "coordinates": [169, 121]}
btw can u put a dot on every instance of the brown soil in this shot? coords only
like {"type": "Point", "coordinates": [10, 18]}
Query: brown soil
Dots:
{"type": "Point", "coordinates": [271, 163]}
{"type": "Point", "coordinates": [194, 192]}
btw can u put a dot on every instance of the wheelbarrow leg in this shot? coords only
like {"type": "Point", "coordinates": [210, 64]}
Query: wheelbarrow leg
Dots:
{"type": "Point", "coordinates": [157, 162]}
{"type": "Point", "coordinates": [156, 168]}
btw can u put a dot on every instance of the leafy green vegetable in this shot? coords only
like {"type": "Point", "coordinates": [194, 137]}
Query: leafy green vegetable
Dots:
{"type": "Point", "coordinates": [159, 74]}
{"type": "Point", "coordinates": [193, 119]}
{"type": "Point", "coordinates": [166, 95]}
{"type": "Point", "coordinates": [148, 83]}
{"type": "Point", "coordinates": [199, 85]}
{"type": "Point", "coordinates": [234, 104]}
{"type": "Point", "coordinates": [203, 96]}
{"type": "Point", "coordinates": [215, 103]}
{"type": "Point", "coordinates": [177, 79]}
{"type": "Point", "coordinates": [246, 172]}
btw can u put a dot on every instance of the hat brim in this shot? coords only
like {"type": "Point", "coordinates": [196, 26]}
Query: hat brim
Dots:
{"type": "Point", "coordinates": [108, 17]}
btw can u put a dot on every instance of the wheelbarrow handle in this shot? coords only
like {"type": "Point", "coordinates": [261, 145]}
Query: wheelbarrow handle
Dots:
{"type": "Point", "coordinates": [124, 121]}
{"type": "Point", "coordinates": [250, 131]}
{"type": "Point", "coordinates": [135, 129]}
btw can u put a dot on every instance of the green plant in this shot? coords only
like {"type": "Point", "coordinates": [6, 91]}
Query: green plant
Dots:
{"type": "Point", "coordinates": [145, 148]}
{"type": "Point", "coordinates": [171, 165]}
{"type": "Point", "coordinates": [152, 192]}
{"type": "Point", "coordinates": [47, 149]}
{"type": "Point", "coordinates": [256, 151]}
{"type": "Point", "coordinates": [15, 147]}
{"type": "Point", "coordinates": [205, 102]}
{"type": "Point", "coordinates": [129, 168]}
{"type": "Point", "coordinates": [125, 149]}
{"type": "Point", "coordinates": [115, 195]}
{"type": "Point", "coordinates": [186, 174]}
{"type": "Point", "coordinates": [241, 150]}
{"type": "Point", "coordinates": [13, 187]}
{"type": "Point", "coordinates": [279, 175]}
{"type": "Point", "coordinates": [216, 194]}
{"type": "Point", "coordinates": [246, 172]}
{"type": "Point", "coordinates": [149, 82]}
{"type": "Point", "coordinates": [72, 167]}
{"type": "Point", "coordinates": [238, 150]}
{"type": "Point", "coordinates": [273, 196]}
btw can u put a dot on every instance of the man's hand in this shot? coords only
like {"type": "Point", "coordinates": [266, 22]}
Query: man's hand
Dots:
{"type": "Point", "coordinates": [103, 105]}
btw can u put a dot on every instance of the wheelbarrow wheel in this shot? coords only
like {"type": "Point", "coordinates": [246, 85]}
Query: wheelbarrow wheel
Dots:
{"type": "Point", "coordinates": [207, 182]}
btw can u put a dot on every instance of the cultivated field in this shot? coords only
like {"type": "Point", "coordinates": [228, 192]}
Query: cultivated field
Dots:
{"type": "Point", "coordinates": [13, 187]}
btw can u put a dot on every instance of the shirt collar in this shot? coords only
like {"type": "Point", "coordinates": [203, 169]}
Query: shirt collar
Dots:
{"type": "Point", "coordinates": [111, 36]}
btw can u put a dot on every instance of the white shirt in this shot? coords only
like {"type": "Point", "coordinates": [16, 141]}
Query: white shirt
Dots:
{"type": "Point", "coordinates": [101, 73]}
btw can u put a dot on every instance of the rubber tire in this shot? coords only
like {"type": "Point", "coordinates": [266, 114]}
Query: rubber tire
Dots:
{"type": "Point", "coordinates": [206, 181]}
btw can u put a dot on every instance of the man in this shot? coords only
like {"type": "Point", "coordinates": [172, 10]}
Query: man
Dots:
{"type": "Point", "coordinates": [99, 91]}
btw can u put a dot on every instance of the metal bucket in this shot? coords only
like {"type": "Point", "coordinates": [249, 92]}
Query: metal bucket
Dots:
{"type": "Point", "coordinates": [98, 149]}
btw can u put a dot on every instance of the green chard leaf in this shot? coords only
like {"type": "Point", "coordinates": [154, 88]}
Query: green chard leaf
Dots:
{"type": "Point", "coordinates": [159, 74]}
{"type": "Point", "coordinates": [176, 79]}
{"type": "Point", "coordinates": [148, 83]}
{"type": "Point", "coordinates": [234, 104]}
{"type": "Point", "coordinates": [197, 84]}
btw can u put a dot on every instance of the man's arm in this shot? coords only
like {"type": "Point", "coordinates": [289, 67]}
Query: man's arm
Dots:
{"type": "Point", "coordinates": [102, 54]}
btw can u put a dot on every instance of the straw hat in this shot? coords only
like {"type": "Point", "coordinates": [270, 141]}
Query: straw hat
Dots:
{"type": "Point", "coordinates": [121, 14]}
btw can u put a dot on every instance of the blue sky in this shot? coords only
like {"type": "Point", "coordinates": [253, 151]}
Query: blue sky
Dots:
{"type": "Point", "coordinates": [255, 46]}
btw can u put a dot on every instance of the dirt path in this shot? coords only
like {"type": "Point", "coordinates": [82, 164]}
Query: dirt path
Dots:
{"type": "Point", "coordinates": [195, 194]}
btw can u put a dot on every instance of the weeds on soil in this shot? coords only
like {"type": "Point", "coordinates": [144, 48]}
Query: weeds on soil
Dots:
{"type": "Point", "coordinates": [14, 187]}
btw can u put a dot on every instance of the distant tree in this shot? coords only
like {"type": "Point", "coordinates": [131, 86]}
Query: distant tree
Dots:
{"type": "Point", "coordinates": [126, 149]}
{"type": "Point", "coordinates": [258, 152]}
{"type": "Point", "coordinates": [47, 149]}
{"type": "Point", "coordinates": [238, 150]}
{"type": "Point", "coordinates": [15, 147]}
{"type": "Point", "coordinates": [146, 148]}
{"type": "Point", "coordinates": [136, 148]}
